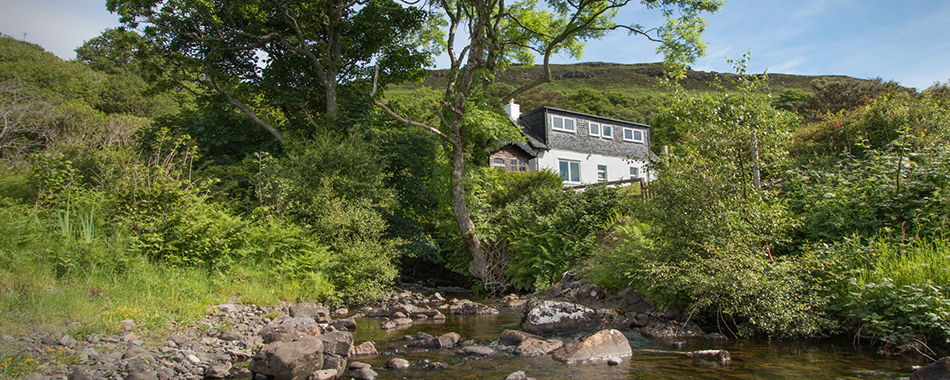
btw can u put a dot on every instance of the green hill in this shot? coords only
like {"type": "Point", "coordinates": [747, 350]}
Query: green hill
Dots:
{"type": "Point", "coordinates": [633, 80]}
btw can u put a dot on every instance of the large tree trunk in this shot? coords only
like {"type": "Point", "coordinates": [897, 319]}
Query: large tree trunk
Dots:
{"type": "Point", "coordinates": [460, 209]}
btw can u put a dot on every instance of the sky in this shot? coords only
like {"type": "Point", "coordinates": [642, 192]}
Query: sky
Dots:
{"type": "Point", "coordinates": [906, 41]}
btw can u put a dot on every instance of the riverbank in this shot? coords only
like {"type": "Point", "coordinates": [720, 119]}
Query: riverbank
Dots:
{"type": "Point", "coordinates": [224, 343]}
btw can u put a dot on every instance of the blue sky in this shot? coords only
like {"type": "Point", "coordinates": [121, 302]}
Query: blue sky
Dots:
{"type": "Point", "coordinates": [907, 41]}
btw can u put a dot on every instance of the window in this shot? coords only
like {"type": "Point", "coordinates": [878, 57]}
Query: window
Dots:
{"type": "Point", "coordinates": [634, 172]}
{"type": "Point", "coordinates": [513, 165]}
{"type": "Point", "coordinates": [562, 124]}
{"type": "Point", "coordinates": [498, 163]}
{"type": "Point", "coordinates": [608, 132]}
{"type": "Point", "coordinates": [570, 170]}
{"type": "Point", "coordinates": [594, 129]}
{"type": "Point", "coordinates": [522, 165]}
{"type": "Point", "coordinates": [634, 135]}
{"type": "Point", "coordinates": [602, 173]}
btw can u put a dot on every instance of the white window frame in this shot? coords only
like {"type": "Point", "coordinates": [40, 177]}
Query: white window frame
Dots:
{"type": "Point", "coordinates": [634, 172]}
{"type": "Point", "coordinates": [602, 173]}
{"type": "Point", "coordinates": [604, 133]}
{"type": "Point", "coordinates": [633, 135]}
{"type": "Point", "coordinates": [564, 122]}
{"type": "Point", "coordinates": [567, 177]}
{"type": "Point", "coordinates": [590, 128]}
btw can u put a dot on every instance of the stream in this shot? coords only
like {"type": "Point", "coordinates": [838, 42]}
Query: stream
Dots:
{"type": "Point", "coordinates": [751, 359]}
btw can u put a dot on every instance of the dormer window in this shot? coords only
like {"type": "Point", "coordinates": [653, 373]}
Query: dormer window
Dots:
{"type": "Point", "coordinates": [594, 129]}
{"type": "Point", "coordinates": [608, 131]}
{"type": "Point", "coordinates": [633, 135]}
{"type": "Point", "coordinates": [562, 124]}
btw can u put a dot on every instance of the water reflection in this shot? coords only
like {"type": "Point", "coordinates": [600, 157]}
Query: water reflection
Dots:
{"type": "Point", "coordinates": [751, 359]}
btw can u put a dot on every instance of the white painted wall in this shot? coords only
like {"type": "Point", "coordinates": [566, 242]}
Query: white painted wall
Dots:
{"type": "Point", "coordinates": [617, 168]}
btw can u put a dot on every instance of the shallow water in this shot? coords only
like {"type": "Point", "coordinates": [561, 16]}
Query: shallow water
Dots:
{"type": "Point", "coordinates": [786, 359]}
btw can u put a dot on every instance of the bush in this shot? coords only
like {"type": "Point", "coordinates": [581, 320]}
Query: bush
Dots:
{"type": "Point", "coordinates": [890, 291]}
{"type": "Point", "coordinates": [551, 231]}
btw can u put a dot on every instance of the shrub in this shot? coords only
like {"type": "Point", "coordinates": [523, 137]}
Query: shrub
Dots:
{"type": "Point", "coordinates": [891, 291]}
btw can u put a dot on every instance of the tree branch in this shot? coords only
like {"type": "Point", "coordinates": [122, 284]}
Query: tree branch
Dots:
{"type": "Point", "coordinates": [394, 115]}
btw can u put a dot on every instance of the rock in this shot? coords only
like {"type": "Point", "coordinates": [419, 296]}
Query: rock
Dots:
{"type": "Point", "coordinates": [334, 362]}
{"type": "Point", "coordinates": [554, 317]}
{"type": "Point", "coordinates": [711, 355]}
{"type": "Point", "coordinates": [520, 375]}
{"type": "Point", "coordinates": [938, 370]}
{"type": "Point", "coordinates": [443, 341]}
{"type": "Point", "coordinates": [397, 363]}
{"type": "Point", "coordinates": [364, 374]}
{"type": "Point", "coordinates": [475, 308]}
{"type": "Point", "coordinates": [671, 329]}
{"type": "Point", "coordinates": [313, 310]}
{"type": "Point", "coordinates": [537, 347]}
{"type": "Point", "coordinates": [628, 301]}
{"type": "Point", "coordinates": [325, 374]}
{"type": "Point", "coordinates": [230, 336]}
{"type": "Point", "coordinates": [141, 376]}
{"type": "Point", "coordinates": [358, 365]}
{"type": "Point", "coordinates": [289, 360]}
{"type": "Point", "coordinates": [282, 328]}
{"type": "Point", "coordinates": [614, 361]}
{"type": "Point", "coordinates": [193, 359]}
{"type": "Point", "coordinates": [218, 371]}
{"type": "Point", "coordinates": [78, 374]}
{"type": "Point", "coordinates": [602, 345]}
{"type": "Point", "coordinates": [337, 342]}
{"type": "Point", "coordinates": [34, 376]}
{"type": "Point", "coordinates": [515, 337]}
{"type": "Point", "coordinates": [137, 352]}
{"type": "Point", "coordinates": [67, 341]}
{"type": "Point", "coordinates": [438, 365]}
{"type": "Point", "coordinates": [348, 324]}
{"type": "Point", "coordinates": [476, 351]}
{"type": "Point", "coordinates": [363, 349]}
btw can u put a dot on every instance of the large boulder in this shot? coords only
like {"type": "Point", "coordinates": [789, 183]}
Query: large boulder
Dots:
{"type": "Point", "coordinates": [313, 310]}
{"type": "Point", "coordinates": [602, 345]}
{"type": "Point", "coordinates": [289, 360]}
{"type": "Point", "coordinates": [290, 328]}
{"type": "Point", "coordinates": [515, 337]}
{"type": "Point", "coordinates": [671, 330]}
{"type": "Point", "coordinates": [537, 347]}
{"type": "Point", "coordinates": [939, 370]}
{"type": "Point", "coordinates": [630, 302]}
{"type": "Point", "coordinates": [337, 343]}
{"type": "Point", "coordinates": [474, 308]}
{"type": "Point", "coordinates": [553, 317]}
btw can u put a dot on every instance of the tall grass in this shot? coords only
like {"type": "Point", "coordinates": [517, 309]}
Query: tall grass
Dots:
{"type": "Point", "coordinates": [920, 263]}
{"type": "Point", "coordinates": [57, 268]}
{"type": "Point", "coordinates": [900, 293]}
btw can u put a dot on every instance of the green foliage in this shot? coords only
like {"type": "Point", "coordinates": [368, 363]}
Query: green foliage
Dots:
{"type": "Point", "coordinates": [615, 104]}
{"type": "Point", "coordinates": [892, 175]}
{"type": "Point", "coordinates": [551, 231]}
{"type": "Point", "coordinates": [791, 100]}
{"type": "Point", "coordinates": [891, 291]}
{"type": "Point", "coordinates": [335, 190]}
{"type": "Point", "coordinates": [716, 218]}
{"type": "Point", "coordinates": [832, 95]}
{"type": "Point", "coordinates": [623, 251]}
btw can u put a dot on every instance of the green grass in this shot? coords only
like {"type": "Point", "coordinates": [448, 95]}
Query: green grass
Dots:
{"type": "Point", "coordinates": [920, 263]}
{"type": "Point", "coordinates": [49, 279]}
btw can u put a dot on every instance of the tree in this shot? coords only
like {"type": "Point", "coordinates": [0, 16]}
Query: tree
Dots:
{"type": "Point", "coordinates": [717, 218]}
{"type": "Point", "coordinates": [230, 46]}
{"type": "Point", "coordinates": [499, 34]}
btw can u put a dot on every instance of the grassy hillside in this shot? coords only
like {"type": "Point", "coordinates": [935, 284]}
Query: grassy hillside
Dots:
{"type": "Point", "coordinates": [635, 80]}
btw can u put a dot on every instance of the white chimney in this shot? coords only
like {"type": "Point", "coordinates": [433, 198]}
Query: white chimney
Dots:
{"type": "Point", "coordinates": [513, 110]}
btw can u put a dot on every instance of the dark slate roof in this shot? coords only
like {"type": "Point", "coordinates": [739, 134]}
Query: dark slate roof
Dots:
{"type": "Point", "coordinates": [535, 128]}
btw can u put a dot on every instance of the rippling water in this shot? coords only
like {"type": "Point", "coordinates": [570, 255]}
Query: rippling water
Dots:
{"type": "Point", "coordinates": [751, 359]}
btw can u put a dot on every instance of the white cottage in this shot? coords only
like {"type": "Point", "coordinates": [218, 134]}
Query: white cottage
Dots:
{"type": "Point", "coordinates": [584, 148]}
